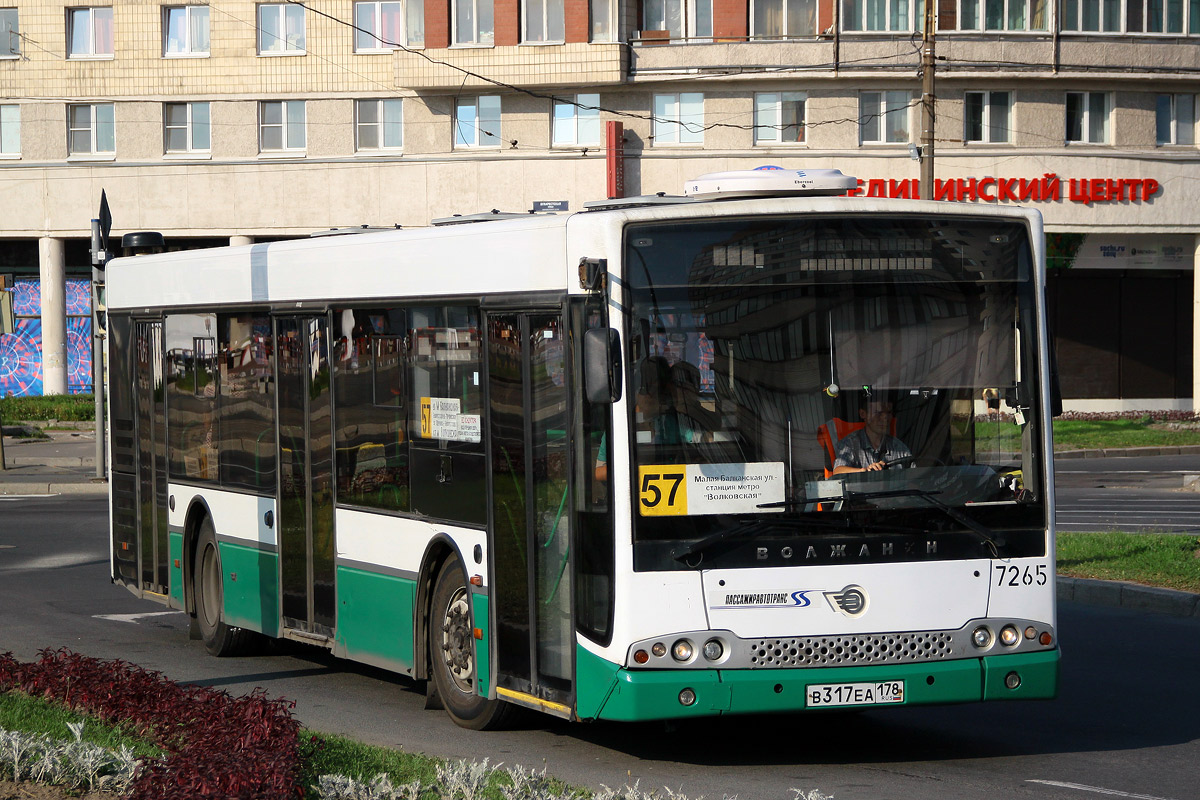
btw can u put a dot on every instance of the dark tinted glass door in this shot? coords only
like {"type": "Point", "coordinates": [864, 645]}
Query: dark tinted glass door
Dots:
{"type": "Point", "coordinates": [306, 537]}
{"type": "Point", "coordinates": [531, 504]}
{"type": "Point", "coordinates": [151, 455]}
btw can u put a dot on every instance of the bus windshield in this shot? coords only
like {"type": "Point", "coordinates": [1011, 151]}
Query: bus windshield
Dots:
{"type": "Point", "coordinates": [833, 387]}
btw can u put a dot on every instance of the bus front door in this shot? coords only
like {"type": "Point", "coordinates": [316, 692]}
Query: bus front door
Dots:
{"type": "Point", "coordinates": [530, 512]}
{"type": "Point", "coordinates": [305, 507]}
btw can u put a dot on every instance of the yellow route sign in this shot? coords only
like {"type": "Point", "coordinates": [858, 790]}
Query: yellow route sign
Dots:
{"type": "Point", "coordinates": [662, 490]}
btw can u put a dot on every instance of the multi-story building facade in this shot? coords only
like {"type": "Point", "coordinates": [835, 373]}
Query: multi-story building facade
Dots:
{"type": "Point", "coordinates": [236, 121]}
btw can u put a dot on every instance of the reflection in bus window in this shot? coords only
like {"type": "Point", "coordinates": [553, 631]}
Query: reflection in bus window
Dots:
{"type": "Point", "coordinates": [370, 355]}
{"type": "Point", "coordinates": [247, 401]}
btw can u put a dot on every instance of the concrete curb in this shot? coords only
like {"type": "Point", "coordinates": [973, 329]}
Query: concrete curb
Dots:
{"type": "Point", "coordinates": [50, 461]}
{"type": "Point", "coordinates": [1129, 452]}
{"type": "Point", "coordinates": [1119, 594]}
{"type": "Point", "coordinates": [48, 488]}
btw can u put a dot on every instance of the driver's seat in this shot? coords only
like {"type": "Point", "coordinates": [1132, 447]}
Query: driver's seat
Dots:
{"type": "Point", "coordinates": [832, 432]}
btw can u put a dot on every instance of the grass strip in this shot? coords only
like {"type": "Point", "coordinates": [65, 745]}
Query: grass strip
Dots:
{"type": "Point", "coordinates": [1171, 561]}
{"type": "Point", "coordinates": [328, 754]}
{"type": "Point", "coordinates": [1078, 434]}
{"type": "Point", "coordinates": [35, 715]}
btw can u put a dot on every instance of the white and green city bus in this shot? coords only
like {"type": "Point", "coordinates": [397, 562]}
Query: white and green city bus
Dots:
{"type": "Point", "coordinates": [586, 463]}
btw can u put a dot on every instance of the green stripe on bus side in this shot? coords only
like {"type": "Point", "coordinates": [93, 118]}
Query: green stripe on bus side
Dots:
{"type": "Point", "coordinates": [374, 620]}
{"type": "Point", "coordinates": [654, 694]}
{"type": "Point", "coordinates": [483, 654]}
{"type": "Point", "coordinates": [175, 573]}
{"type": "Point", "coordinates": [251, 588]}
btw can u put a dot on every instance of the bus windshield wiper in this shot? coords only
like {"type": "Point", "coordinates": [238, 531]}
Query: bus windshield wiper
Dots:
{"type": "Point", "coordinates": [985, 534]}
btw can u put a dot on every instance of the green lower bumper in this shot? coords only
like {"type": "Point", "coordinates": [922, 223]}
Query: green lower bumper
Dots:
{"type": "Point", "coordinates": [654, 694]}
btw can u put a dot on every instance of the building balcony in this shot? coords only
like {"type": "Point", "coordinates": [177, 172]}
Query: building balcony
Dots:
{"type": "Point", "coordinates": [527, 66]}
{"type": "Point", "coordinates": [651, 61]}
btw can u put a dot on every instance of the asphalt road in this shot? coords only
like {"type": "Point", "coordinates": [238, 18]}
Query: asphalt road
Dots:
{"type": "Point", "coordinates": [1130, 494]}
{"type": "Point", "coordinates": [1127, 723]}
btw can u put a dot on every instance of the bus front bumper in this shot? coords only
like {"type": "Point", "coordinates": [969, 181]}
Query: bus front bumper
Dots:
{"type": "Point", "coordinates": [660, 694]}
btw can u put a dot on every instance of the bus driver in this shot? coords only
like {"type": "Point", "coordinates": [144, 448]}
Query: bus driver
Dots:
{"type": "Point", "coordinates": [873, 446]}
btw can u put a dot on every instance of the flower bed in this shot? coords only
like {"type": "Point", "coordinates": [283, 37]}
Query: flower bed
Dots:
{"type": "Point", "coordinates": [216, 745]}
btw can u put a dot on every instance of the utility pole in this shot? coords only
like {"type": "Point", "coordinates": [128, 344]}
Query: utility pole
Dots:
{"type": "Point", "coordinates": [928, 117]}
{"type": "Point", "coordinates": [100, 256]}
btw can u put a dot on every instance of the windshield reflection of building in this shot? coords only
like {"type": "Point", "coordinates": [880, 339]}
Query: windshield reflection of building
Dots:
{"type": "Point", "coordinates": [904, 304]}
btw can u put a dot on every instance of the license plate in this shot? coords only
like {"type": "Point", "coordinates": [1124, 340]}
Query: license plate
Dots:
{"type": "Point", "coordinates": [828, 695]}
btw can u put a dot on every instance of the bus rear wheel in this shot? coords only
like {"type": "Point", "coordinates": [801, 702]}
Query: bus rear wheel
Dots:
{"type": "Point", "coordinates": [452, 654]}
{"type": "Point", "coordinates": [219, 639]}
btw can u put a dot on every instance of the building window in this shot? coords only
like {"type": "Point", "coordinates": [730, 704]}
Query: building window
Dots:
{"type": "Point", "coordinates": [692, 19]}
{"type": "Point", "coordinates": [186, 31]}
{"type": "Point", "coordinates": [544, 21]}
{"type": "Point", "coordinates": [678, 118]}
{"type": "Point", "coordinates": [186, 128]}
{"type": "Point", "coordinates": [775, 19]}
{"type": "Point", "coordinates": [883, 15]}
{"type": "Point", "coordinates": [1092, 15]}
{"type": "Point", "coordinates": [986, 116]}
{"type": "Point", "coordinates": [281, 126]}
{"type": "Point", "coordinates": [1175, 119]}
{"type": "Point", "coordinates": [1006, 15]}
{"type": "Point", "coordinates": [1087, 117]}
{"type": "Point", "coordinates": [10, 33]}
{"type": "Point", "coordinates": [385, 26]}
{"type": "Point", "coordinates": [779, 117]}
{"type": "Point", "coordinates": [1131, 16]}
{"type": "Point", "coordinates": [91, 129]}
{"type": "Point", "coordinates": [883, 117]}
{"type": "Point", "coordinates": [89, 32]}
{"type": "Point", "coordinates": [379, 124]}
{"type": "Point", "coordinates": [280, 29]}
{"type": "Point", "coordinates": [577, 122]}
{"type": "Point", "coordinates": [10, 130]}
{"type": "Point", "coordinates": [477, 121]}
{"type": "Point", "coordinates": [473, 22]}
{"type": "Point", "coordinates": [602, 20]}
{"type": "Point", "coordinates": [1162, 16]}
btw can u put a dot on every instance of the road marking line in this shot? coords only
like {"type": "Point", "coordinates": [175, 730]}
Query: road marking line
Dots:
{"type": "Point", "coordinates": [133, 617]}
{"type": "Point", "coordinates": [1098, 790]}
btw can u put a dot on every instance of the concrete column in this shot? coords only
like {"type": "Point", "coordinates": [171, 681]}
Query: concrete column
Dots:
{"type": "Point", "coordinates": [53, 264]}
{"type": "Point", "coordinates": [239, 241]}
{"type": "Point", "coordinates": [1196, 324]}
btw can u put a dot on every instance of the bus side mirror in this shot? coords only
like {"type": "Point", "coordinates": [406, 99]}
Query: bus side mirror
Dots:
{"type": "Point", "coordinates": [602, 365]}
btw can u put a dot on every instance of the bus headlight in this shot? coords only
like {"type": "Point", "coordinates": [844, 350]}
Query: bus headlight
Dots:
{"type": "Point", "coordinates": [1009, 636]}
{"type": "Point", "coordinates": [682, 650]}
{"type": "Point", "coordinates": [713, 649]}
{"type": "Point", "coordinates": [981, 637]}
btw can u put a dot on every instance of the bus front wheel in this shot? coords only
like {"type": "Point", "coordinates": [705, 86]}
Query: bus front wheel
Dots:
{"type": "Point", "coordinates": [452, 654]}
{"type": "Point", "coordinates": [219, 639]}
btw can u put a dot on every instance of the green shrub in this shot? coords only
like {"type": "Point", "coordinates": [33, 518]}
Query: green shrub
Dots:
{"type": "Point", "coordinates": [62, 407]}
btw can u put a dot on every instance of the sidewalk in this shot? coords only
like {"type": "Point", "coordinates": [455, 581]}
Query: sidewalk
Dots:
{"type": "Point", "coordinates": [66, 464]}
{"type": "Point", "coordinates": [63, 464]}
